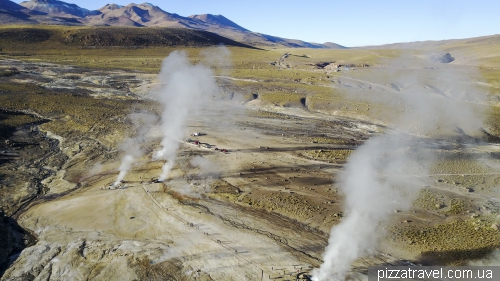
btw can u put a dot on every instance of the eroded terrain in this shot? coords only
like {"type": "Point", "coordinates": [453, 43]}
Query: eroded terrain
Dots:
{"type": "Point", "coordinates": [264, 208]}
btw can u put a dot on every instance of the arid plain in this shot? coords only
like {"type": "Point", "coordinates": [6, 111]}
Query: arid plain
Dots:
{"type": "Point", "coordinates": [274, 142]}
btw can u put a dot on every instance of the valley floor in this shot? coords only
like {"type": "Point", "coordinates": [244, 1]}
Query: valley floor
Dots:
{"type": "Point", "coordinates": [262, 211]}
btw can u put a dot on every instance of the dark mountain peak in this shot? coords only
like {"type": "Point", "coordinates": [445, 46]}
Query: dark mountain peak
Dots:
{"type": "Point", "coordinates": [13, 13]}
{"type": "Point", "coordinates": [219, 20]}
{"type": "Point", "coordinates": [9, 5]}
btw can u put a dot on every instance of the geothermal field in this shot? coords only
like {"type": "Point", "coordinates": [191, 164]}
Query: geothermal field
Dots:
{"type": "Point", "coordinates": [236, 163]}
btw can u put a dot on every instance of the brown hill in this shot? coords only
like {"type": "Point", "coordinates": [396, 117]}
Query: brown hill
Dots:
{"type": "Point", "coordinates": [331, 45]}
{"type": "Point", "coordinates": [110, 37]}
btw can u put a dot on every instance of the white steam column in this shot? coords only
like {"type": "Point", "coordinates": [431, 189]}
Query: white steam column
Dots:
{"type": "Point", "coordinates": [378, 176]}
{"type": "Point", "coordinates": [186, 87]}
{"type": "Point", "coordinates": [132, 147]}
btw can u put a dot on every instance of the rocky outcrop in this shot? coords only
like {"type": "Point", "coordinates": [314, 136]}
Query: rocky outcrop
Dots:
{"type": "Point", "coordinates": [98, 260]}
{"type": "Point", "coordinates": [440, 58]}
{"type": "Point", "coordinates": [28, 157]}
{"type": "Point", "coordinates": [13, 239]}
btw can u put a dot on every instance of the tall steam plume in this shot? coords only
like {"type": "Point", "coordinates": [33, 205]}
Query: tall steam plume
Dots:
{"type": "Point", "coordinates": [133, 147]}
{"type": "Point", "coordinates": [186, 87]}
{"type": "Point", "coordinates": [378, 177]}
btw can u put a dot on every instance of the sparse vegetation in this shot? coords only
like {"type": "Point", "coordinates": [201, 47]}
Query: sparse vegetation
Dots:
{"type": "Point", "coordinates": [452, 243]}
{"type": "Point", "coordinates": [429, 200]}
{"type": "Point", "coordinates": [299, 192]}
{"type": "Point", "coordinates": [457, 206]}
{"type": "Point", "coordinates": [290, 204]}
{"type": "Point", "coordinates": [70, 112]}
{"type": "Point", "coordinates": [83, 46]}
{"type": "Point", "coordinates": [464, 180]}
{"type": "Point", "coordinates": [282, 99]}
{"type": "Point", "coordinates": [267, 114]}
{"type": "Point", "coordinates": [11, 120]}
{"type": "Point", "coordinates": [325, 140]}
{"type": "Point", "coordinates": [329, 154]}
{"type": "Point", "coordinates": [222, 187]}
{"type": "Point", "coordinates": [492, 77]}
{"type": "Point", "coordinates": [458, 166]}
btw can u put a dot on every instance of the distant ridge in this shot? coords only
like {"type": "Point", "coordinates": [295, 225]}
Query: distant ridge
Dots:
{"type": "Point", "coordinates": [56, 8]}
{"type": "Point", "coordinates": [490, 39]}
{"type": "Point", "coordinates": [219, 20]}
{"type": "Point", "coordinates": [139, 15]}
{"type": "Point", "coordinates": [144, 14]}
{"type": "Point", "coordinates": [334, 45]}
{"type": "Point", "coordinates": [483, 50]}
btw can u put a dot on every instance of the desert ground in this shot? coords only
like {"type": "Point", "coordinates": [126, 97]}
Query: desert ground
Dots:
{"type": "Point", "coordinates": [262, 209]}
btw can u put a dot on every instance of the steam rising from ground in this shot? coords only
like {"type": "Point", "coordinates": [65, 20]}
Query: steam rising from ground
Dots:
{"type": "Point", "coordinates": [377, 178]}
{"type": "Point", "coordinates": [217, 58]}
{"type": "Point", "coordinates": [186, 88]}
{"type": "Point", "coordinates": [134, 146]}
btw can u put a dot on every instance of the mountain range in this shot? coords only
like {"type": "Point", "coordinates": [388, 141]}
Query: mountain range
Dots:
{"type": "Point", "coordinates": [139, 15]}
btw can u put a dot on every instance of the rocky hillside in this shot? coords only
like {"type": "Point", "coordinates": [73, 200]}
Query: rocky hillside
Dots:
{"type": "Point", "coordinates": [138, 15]}
{"type": "Point", "coordinates": [143, 14]}
{"type": "Point", "coordinates": [218, 20]}
{"type": "Point", "coordinates": [57, 8]}
{"type": "Point", "coordinates": [12, 13]}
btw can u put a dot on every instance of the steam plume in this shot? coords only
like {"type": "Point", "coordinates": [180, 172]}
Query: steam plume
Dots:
{"type": "Point", "coordinates": [217, 58]}
{"type": "Point", "coordinates": [134, 146]}
{"type": "Point", "coordinates": [373, 190]}
{"type": "Point", "coordinates": [186, 86]}
{"type": "Point", "coordinates": [125, 166]}
{"type": "Point", "coordinates": [377, 178]}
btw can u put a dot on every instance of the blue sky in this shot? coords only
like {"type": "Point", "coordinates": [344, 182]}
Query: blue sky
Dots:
{"type": "Point", "coordinates": [346, 22]}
